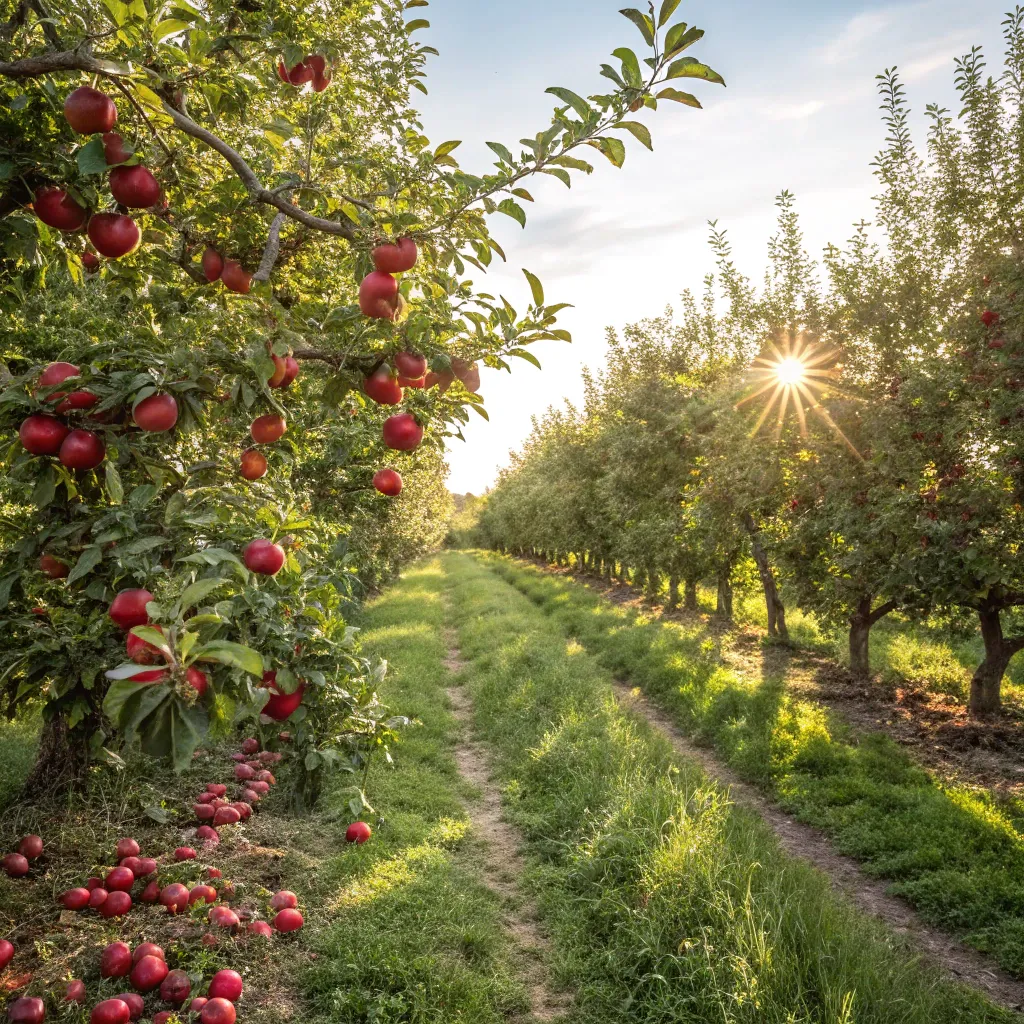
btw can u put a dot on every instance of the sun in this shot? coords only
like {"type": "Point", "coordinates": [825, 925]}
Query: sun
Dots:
{"type": "Point", "coordinates": [794, 371]}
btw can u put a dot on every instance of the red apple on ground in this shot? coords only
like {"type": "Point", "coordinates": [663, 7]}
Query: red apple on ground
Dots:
{"type": "Point", "coordinates": [134, 187]}
{"type": "Point", "coordinates": [116, 904]}
{"type": "Point", "coordinates": [114, 149]}
{"type": "Point", "coordinates": [223, 917]}
{"type": "Point", "coordinates": [260, 928]}
{"type": "Point", "coordinates": [31, 847]}
{"type": "Point", "coordinates": [127, 610]}
{"type": "Point", "coordinates": [76, 899]}
{"type": "Point", "coordinates": [113, 234]}
{"type": "Point", "coordinates": [82, 450]}
{"type": "Point", "coordinates": [116, 960]}
{"type": "Point", "coordinates": [225, 985]}
{"type": "Point", "coordinates": [175, 988]}
{"type": "Point", "coordinates": [251, 745]}
{"type": "Point", "coordinates": [378, 296]}
{"type": "Point", "coordinates": [75, 991]}
{"type": "Point", "coordinates": [6, 953]}
{"type": "Point", "coordinates": [15, 865]}
{"type": "Point", "coordinates": [119, 879]}
{"type": "Point", "coordinates": [151, 893]}
{"type": "Point", "coordinates": [197, 1004]}
{"type": "Point", "coordinates": [213, 264]}
{"type": "Point", "coordinates": [402, 432]}
{"type": "Point", "coordinates": [284, 899]}
{"type": "Point", "coordinates": [207, 893]}
{"type": "Point", "coordinates": [268, 429]}
{"type": "Point", "coordinates": [156, 413]}
{"type": "Point", "coordinates": [217, 1011]}
{"type": "Point", "coordinates": [174, 897]}
{"type": "Point", "coordinates": [97, 897]}
{"type": "Point", "coordinates": [263, 557]}
{"type": "Point", "coordinates": [397, 259]}
{"type": "Point", "coordinates": [42, 435]}
{"type": "Point", "coordinates": [148, 973]}
{"type": "Point", "coordinates": [26, 1010]}
{"type": "Point", "coordinates": [226, 816]}
{"type": "Point", "coordinates": [288, 920]}
{"type": "Point", "coordinates": [148, 949]}
{"type": "Point", "coordinates": [89, 111]}
{"type": "Point", "coordinates": [55, 208]}
{"type": "Point", "coordinates": [383, 388]}
{"type": "Point", "coordinates": [235, 278]}
{"type": "Point", "coordinates": [358, 832]}
{"type": "Point", "coordinates": [184, 853]}
{"type": "Point", "coordinates": [989, 317]}
{"type": "Point", "coordinates": [135, 1003]}
{"type": "Point", "coordinates": [388, 482]}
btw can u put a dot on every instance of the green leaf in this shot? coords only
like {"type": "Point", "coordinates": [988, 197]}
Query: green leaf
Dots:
{"type": "Point", "coordinates": [640, 131]}
{"type": "Point", "coordinates": [668, 8]}
{"type": "Point", "coordinates": [557, 172]}
{"type": "Point", "coordinates": [687, 67]}
{"type": "Point", "coordinates": [414, 26]}
{"type": "Point", "coordinates": [680, 97]}
{"type": "Point", "coordinates": [481, 411]}
{"type": "Point", "coordinates": [446, 147]}
{"type": "Point", "coordinates": [129, 670]}
{"type": "Point", "coordinates": [612, 148]}
{"type": "Point", "coordinates": [158, 814]}
{"type": "Point", "coordinates": [152, 636]}
{"type": "Point", "coordinates": [227, 653]}
{"type": "Point", "coordinates": [521, 353]}
{"type": "Point", "coordinates": [501, 151]}
{"type": "Point", "coordinates": [642, 22]}
{"type": "Point", "coordinates": [679, 39]}
{"type": "Point", "coordinates": [578, 103]}
{"type": "Point", "coordinates": [118, 695]}
{"type": "Point", "coordinates": [46, 487]}
{"type": "Point", "coordinates": [197, 592]}
{"type": "Point", "coordinates": [574, 163]}
{"type": "Point", "coordinates": [513, 210]}
{"type": "Point", "coordinates": [114, 486]}
{"type": "Point", "coordinates": [168, 28]}
{"type": "Point", "coordinates": [630, 67]}
{"type": "Point", "coordinates": [609, 72]}
{"type": "Point", "coordinates": [522, 194]}
{"type": "Point", "coordinates": [91, 157]}
{"type": "Point", "coordinates": [536, 287]}
{"type": "Point", "coordinates": [87, 561]}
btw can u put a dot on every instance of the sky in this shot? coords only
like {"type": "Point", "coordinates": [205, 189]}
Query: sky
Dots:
{"type": "Point", "coordinates": [800, 112]}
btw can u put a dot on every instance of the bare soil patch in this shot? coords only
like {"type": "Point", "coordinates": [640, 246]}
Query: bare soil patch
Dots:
{"type": "Point", "coordinates": [502, 864]}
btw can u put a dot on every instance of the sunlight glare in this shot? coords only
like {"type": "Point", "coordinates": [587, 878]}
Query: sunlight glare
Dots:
{"type": "Point", "coordinates": [790, 371]}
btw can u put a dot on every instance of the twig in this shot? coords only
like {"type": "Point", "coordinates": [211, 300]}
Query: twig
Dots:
{"type": "Point", "coordinates": [145, 117]}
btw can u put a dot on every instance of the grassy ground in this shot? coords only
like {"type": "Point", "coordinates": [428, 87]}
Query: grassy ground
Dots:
{"type": "Point", "coordinates": [666, 902]}
{"type": "Point", "coordinates": [954, 853]}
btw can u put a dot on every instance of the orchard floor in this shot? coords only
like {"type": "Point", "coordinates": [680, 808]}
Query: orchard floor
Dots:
{"type": "Point", "coordinates": [541, 852]}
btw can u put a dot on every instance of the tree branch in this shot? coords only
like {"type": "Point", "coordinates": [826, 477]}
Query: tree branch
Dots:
{"type": "Point", "coordinates": [63, 60]}
{"type": "Point", "coordinates": [881, 611]}
{"type": "Point", "coordinates": [17, 19]}
{"type": "Point", "coordinates": [49, 32]}
{"type": "Point", "coordinates": [272, 249]}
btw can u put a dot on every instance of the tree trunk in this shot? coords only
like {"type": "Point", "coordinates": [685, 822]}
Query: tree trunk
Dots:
{"type": "Point", "coordinates": [690, 598]}
{"type": "Point", "coordinates": [61, 762]}
{"type": "Point", "coordinates": [653, 584]}
{"type": "Point", "coordinates": [861, 622]}
{"type": "Point", "coordinates": [673, 591]}
{"type": "Point", "coordinates": [724, 606]}
{"type": "Point", "coordinates": [776, 609]}
{"type": "Point", "coordinates": [986, 686]}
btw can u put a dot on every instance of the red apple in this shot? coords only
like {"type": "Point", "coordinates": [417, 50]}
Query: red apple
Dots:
{"type": "Point", "coordinates": [116, 960]}
{"type": "Point", "coordinates": [119, 879]}
{"type": "Point", "coordinates": [388, 482]}
{"type": "Point", "coordinates": [142, 652]}
{"type": "Point", "coordinates": [226, 816]}
{"type": "Point", "coordinates": [206, 893]}
{"type": "Point", "coordinates": [225, 985]}
{"type": "Point", "coordinates": [6, 953]}
{"type": "Point", "coordinates": [250, 745]}
{"type": "Point", "coordinates": [217, 1011]}
{"type": "Point", "coordinates": [147, 866]}
{"type": "Point", "coordinates": [114, 149]}
{"type": "Point", "coordinates": [77, 400]}
{"type": "Point", "coordinates": [151, 893]}
{"type": "Point", "coordinates": [288, 920]}
{"type": "Point", "coordinates": [197, 680]}
{"type": "Point", "coordinates": [253, 465]}
{"type": "Point", "coordinates": [174, 897]}
{"type": "Point", "coordinates": [54, 567]}
{"type": "Point", "coordinates": [383, 388]}
{"type": "Point", "coordinates": [443, 380]}
{"type": "Point", "coordinates": [213, 264]}
{"type": "Point", "coordinates": [397, 259]}
{"type": "Point", "coordinates": [410, 365]}
{"type": "Point", "coordinates": [402, 432]}
{"type": "Point", "coordinates": [55, 208]}
{"type": "Point", "coordinates": [276, 379]}
{"type": "Point", "coordinates": [148, 973]}
{"type": "Point", "coordinates": [217, 788]}
{"type": "Point", "coordinates": [184, 853]}
{"type": "Point", "coordinates": [148, 949]}
{"type": "Point", "coordinates": [260, 928]}
{"type": "Point", "coordinates": [358, 832]}
{"type": "Point", "coordinates": [82, 450]}
{"type": "Point", "coordinates": [31, 847]}
{"type": "Point", "coordinates": [113, 234]}
{"type": "Point", "coordinates": [263, 557]}
{"type": "Point", "coordinates": [89, 111]}
{"type": "Point", "coordinates": [90, 261]}
{"type": "Point", "coordinates": [26, 1010]}
{"type": "Point", "coordinates": [75, 991]}
{"type": "Point", "coordinates": [97, 897]}
{"type": "Point", "coordinates": [127, 610]}
{"type": "Point", "coordinates": [321, 73]}
{"type": "Point", "coordinates": [15, 865]}
{"type": "Point", "coordinates": [223, 917]}
{"type": "Point", "coordinates": [175, 988]}
{"type": "Point", "coordinates": [284, 899]}
{"type": "Point", "coordinates": [268, 429]}
{"type": "Point", "coordinates": [988, 318]}
{"type": "Point", "coordinates": [378, 296]}
{"type": "Point", "coordinates": [197, 1004]}
{"type": "Point", "coordinates": [115, 905]}
{"type": "Point", "coordinates": [156, 413]}
{"type": "Point", "coordinates": [135, 1003]}
{"type": "Point", "coordinates": [291, 371]}
{"type": "Point", "coordinates": [235, 278]}
{"type": "Point", "coordinates": [134, 186]}
{"type": "Point", "coordinates": [164, 1017]}
{"type": "Point", "coordinates": [280, 705]}
{"type": "Point", "coordinates": [298, 75]}
{"type": "Point", "coordinates": [76, 899]}
{"type": "Point", "coordinates": [42, 435]}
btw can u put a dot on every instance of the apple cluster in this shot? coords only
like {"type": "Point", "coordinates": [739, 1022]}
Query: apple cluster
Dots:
{"type": "Point", "coordinates": [313, 70]}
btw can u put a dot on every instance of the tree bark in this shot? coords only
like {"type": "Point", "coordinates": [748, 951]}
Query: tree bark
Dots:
{"type": "Point", "coordinates": [986, 686]}
{"type": "Point", "coordinates": [673, 591]}
{"type": "Point", "coordinates": [861, 622]}
{"type": "Point", "coordinates": [690, 598]}
{"type": "Point", "coordinates": [724, 605]}
{"type": "Point", "coordinates": [776, 609]}
{"type": "Point", "coordinates": [61, 763]}
{"type": "Point", "coordinates": [653, 584]}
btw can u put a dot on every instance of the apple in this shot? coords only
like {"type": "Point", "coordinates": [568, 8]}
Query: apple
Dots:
{"type": "Point", "coordinates": [260, 928]}
{"type": "Point", "coordinates": [252, 465]}
{"type": "Point", "coordinates": [156, 413]}
{"type": "Point", "coordinates": [115, 905]}
{"type": "Point", "coordinates": [280, 705]}
{"type": "Point", "coordinates": [250, 745]}
{"type": "Point", "coordinates": [113, 234]}
{"type": "Point", "coordinates": [6, 953]}
{"type": "Point", "coordinates": [443, 380]}
{"type": "Point", "coordinates": [90, 261]}
{"type": "Point", "coordinates": [266, 776]}
{"type": "Point", "coordinates": [276, 379]}
{"type": "Point", "coordinates": [263, 557]}
{"type": "Point", "coordinates": [197, 1004]}
{"type": "Point", "coordinates": [175, 988]}
{"type": "Point", "coordinates": [225, 985]}
{"type": "Point", "coordinates": [226, 816]}
{"type": "Point", "coordinates": [388, 482]}
{"type": "Point", "coordinates": [321, 73]}
{"type": "Point", "coordinates": [197, 679]}
{"type": "Point", "coordinates": [382, 387]}
{"type": "Point", "coordinates": [988, 318]}
{"type": "Point", "coordinates": [76, 899]}
{"type": "Point", "coordinates": [75, 991]}
{"type": "Point", "coordinates": [206, 893]}
{"type": "Point", "coordinates": [410, 364]}
{"type": "Point", "coordinates": [378, 296]}
{"type": "Point", "coordinates": [174, 897]}
{"type": "Point", "coordinates": [288, 920]}
{"type": "Point", "coordinates": [116, 960]}
{"type": "Point", "coordinates": [151, 894]}
{"type": "Point", "coordinates": [397, 259]}
{"type": "Point", "coordinates": [16, 865]}
{"type": "Point", "coordinates": [42, 435]}
{"type": "Point", "coordinates": [223, 917]}
{"type": "Point", "coordinates": [147, 949]}
{"type": "Point", "coordinates": [119, 879]}
{"type": "Point", "coordinates": [26, 1010]}
{"type": "Point", "coordinates": [53, 567]}
{"type": "Point", "coordinates": [164, 1017]}
{"type": "Point", "coordinates": [184, 853]}
{"type": "Point", "coordinates": [56, 209]}
{"type": "Point", "coordinates": [135, 1003]}
{"type": "Point", "coordinates": [114, 149]}
{"type": "Point", "coordinates": [89, 111]}
{"type": "Point", "coordinates": [235, 278]}
{"type": "Point", "coordinates": [82, 450]}
{"type": "Point", "coordinates": [284, 899]}
{"type": "Point", "coordinates": [93, 883]}
{"type": "Point", "coordinates": [97, 897]}
{"type": "Point", "coordinates": [77, 400]}
{"type": "Point", "coordinates": [134, 187]}
{"type": "Point", "coordinates": [243, 771]}
{"type": "Point", "coordinates": [31, 847]}
{"type": "Point", "coordinates": [217, 1011]}
{"type": "Point", "coordinates": [358, 832]}
{"type": "Point", "coordinates": [148, 973]}
{"type": "Point", "coordinates": [57, 373]}
{"type": "Point", "coordinates": [127, 610]}
{"type": "Point", "coordinates": [217, 788]}
{"type": "Point", "coordinates": [268, 429]}
{"type": "Point", "coordinates": [111, 1011]}
{"type": "Point", "coordinates": [142, 652]}
{"type": "Point", "coordinates": [298, 75]}
{"type": "Point", "coordinates": [213, 264]}
{"type": "Point", "coordinates": [402, 432]}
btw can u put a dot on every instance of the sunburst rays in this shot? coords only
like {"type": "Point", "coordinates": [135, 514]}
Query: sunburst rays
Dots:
{"type": "Point", "coordinates": [794, 372]}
